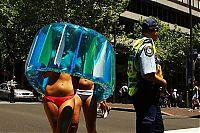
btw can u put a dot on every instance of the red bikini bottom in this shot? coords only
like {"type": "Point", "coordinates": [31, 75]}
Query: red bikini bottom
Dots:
{"type": "Point", "coordinates": [57, 100]}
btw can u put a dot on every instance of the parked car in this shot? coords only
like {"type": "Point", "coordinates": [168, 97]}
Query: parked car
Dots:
{"type": "Point", "coordinates": [19, 92]}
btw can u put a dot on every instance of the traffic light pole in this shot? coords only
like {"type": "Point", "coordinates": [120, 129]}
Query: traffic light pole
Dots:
{"type": "Point", "coordinates": [191, 54]}
{"type": "Point", "coordinates": [191, 45]}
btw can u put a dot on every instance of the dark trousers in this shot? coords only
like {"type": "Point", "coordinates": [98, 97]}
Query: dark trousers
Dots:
{"type": "Point", "coordinates": [149, 120]}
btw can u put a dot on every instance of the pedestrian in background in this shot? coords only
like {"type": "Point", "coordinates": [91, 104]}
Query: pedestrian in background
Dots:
{"type": "Point", "coordinates": [123, 92]}
{"type": "Point", "coordinates": [180, 100]}
{"type": "Point", "coordinates": [103, 108]}
{"type": "Point", "coordinates": [195, 95]}
{"type": "Point", "coordinates": [12, 94]}
{"type": "Point", "coordinates": [146, 99]}
{"type": "Point", "coordinates": [174, 98]}
{"type": "Point", "coordinates": [170, 97]}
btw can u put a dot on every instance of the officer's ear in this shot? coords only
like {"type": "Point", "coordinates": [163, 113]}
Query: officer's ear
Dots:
{"type": "Point", "coordinates": [147, 33]}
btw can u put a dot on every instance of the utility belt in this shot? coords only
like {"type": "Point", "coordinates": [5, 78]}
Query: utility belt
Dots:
{"type": "Point", "coordinates": [145, 84]}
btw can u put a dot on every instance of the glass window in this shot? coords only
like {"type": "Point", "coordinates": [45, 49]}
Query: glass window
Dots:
{"type": "Point", "coordinates": [196, 3]}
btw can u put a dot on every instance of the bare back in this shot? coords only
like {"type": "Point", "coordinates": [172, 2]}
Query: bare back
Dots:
{"type": "Point", "coordinates": [59, 84]}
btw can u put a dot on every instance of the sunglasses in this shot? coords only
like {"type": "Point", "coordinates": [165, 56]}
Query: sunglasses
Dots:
{"type": "Point", "coordinates": [155, 29]}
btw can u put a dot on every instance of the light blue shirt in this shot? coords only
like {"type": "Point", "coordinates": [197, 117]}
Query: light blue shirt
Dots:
{"type": "Point", "coordinates": [147, 61]}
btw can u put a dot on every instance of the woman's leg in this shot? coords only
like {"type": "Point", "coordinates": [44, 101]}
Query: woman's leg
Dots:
{"type": "Point", "coordinates": [51, 111]}
{"type": "Point", "coordinates": [90, 113]}
{"type": "Point", "coordinates": [106, 109]}
{"type": "Point", "coordinates": [76, 115]}
{"type": "Point", "coordinates": [65, 116]}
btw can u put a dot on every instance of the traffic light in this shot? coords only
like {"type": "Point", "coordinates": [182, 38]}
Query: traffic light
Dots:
{"type": "Point", "coordinates": [194, 54]}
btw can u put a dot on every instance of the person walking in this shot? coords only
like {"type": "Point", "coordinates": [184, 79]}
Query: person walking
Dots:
{"type": "Point", "coordinates": [174, 98]}
{"type": "Point", "coordinates": [59, 101]}
{"type": "Point", "coordinates": [103, 108]}
{"type": "Point", "coordinates": [149, 80]}
{"type": "Point", "coordinates": [195, 96]}
{"type": "Point", "coordinates": [124, 93]}
{"type": "Point", "coordinates": [12, 94]}
{"type": "Point", "coordinates": [84, 98]}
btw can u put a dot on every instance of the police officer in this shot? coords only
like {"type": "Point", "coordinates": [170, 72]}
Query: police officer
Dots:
{"type": "Point", "coordinates": [146, 99]}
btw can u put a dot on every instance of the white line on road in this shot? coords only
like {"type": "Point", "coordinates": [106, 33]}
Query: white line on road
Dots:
{"type": "Point", "coordinates": [5, 102]}
{"type": "Point", "coordinates": [189, 130]}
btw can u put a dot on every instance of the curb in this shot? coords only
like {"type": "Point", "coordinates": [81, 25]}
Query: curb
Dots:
{"type": "Point", "coordinates": [133, 110]}
{"type": "Point", "coordinates": [122, 109]}
{"type": "Point", "coordinates": [162, 112]}
{"type": "Point", "coordinates": [165, 113]}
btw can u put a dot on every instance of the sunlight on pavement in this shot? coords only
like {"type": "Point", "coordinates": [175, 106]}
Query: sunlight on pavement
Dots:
{"type": "Point", "coordinates": [189, 130]}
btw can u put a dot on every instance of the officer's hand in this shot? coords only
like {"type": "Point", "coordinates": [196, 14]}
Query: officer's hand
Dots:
{"type": "Point", "coordinates": [160, 81]}
{"type": "Point", "coordinates": [164, 84]}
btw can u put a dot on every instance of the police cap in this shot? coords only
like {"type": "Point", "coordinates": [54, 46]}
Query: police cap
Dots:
{"type": "Point", "coordinates": [149, 24]}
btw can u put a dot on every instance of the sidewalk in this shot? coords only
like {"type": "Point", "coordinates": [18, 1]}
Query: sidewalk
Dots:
{"type": "Point", "coordinates": [173, 111]}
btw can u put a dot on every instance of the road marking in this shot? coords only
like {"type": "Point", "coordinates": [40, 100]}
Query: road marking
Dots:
{"type": "Point", "coordinates": [189, 130]}
{"type": "Point", "coordinates": [4, 102]}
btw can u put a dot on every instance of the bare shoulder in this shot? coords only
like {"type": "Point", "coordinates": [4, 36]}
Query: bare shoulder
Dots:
{"type": "Point", "coordinates": [86, 84]}
{"type": "Point", "coordinates": [85, 81]}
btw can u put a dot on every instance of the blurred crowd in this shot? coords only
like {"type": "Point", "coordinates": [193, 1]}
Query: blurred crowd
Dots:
{"type": "Point", "coordinates": [170, 97]}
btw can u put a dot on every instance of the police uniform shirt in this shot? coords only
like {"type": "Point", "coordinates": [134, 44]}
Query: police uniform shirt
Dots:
{"type": "Point", "coordinates": [147, 61]}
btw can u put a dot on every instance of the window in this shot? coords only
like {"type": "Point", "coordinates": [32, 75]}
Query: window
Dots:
{"type": "Point", "coordinates": [196, 3]}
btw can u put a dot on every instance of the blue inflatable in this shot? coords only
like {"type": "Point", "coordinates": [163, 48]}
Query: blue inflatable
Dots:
{"type": "Point", "coordinates": [73, 49]}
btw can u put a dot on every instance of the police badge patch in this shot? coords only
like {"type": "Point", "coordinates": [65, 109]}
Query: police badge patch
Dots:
{"type": "Point", "coordinates": [148, 50]}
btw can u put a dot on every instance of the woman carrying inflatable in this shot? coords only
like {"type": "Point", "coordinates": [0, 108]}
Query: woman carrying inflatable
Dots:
{"type": "Point", "coordinates": [62, 58]}
{"type": "Point", "coordinates": [59, 100]}
{"type": "Point", "coordinates": [84, 98]}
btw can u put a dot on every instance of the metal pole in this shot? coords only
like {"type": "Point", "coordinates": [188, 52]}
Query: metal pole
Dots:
{"type": "Point", "coordinates": [114, 93]}
{"type": "Point", "coordinates": [191, 36]}
{"type": "Point", "coordinates": [187, 96]}
{"type": "Point", "coordinates": [191, 47]}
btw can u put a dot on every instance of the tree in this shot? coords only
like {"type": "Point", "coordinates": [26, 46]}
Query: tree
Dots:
{"type": "Point", "coordinates": [21, 19]}
{"type": "Point", "coordinates": [196, 45]}
{"type": "Point", "coordinates": [7, 17]}
{"type": "Point", "coordinates": [173, 48]}
{"type": "Point", "coordinates": [196, 34]}
{"type": "Point", "coordinates": [101, 15]}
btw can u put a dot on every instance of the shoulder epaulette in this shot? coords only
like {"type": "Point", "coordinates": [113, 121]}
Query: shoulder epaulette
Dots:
{"type": "Point", "coordinates": [147, 40]}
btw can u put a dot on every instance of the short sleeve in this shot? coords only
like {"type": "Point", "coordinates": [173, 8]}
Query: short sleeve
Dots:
{"type": "Point", "coordinates": [147, 59]}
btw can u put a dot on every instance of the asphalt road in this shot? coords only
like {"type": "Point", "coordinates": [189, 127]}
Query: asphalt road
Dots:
{"type": "Point", "coordinates": [30, 118]}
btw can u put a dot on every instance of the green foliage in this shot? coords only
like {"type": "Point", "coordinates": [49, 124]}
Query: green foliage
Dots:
{"type": "Point", "coordinates": [196, 34]}
{"type": "Point", "coordinates": [7, 18]}
{"type": "Point", "coordinates": [21, 19]}
{"type": "Point", "coordinates": [196, 45]}
{"type": "Point", "coordinates": [172, 45]}
{"type": "Point", "coordinates": [101, 15]}
{"type": "Point", "coordinates": [197, 70]}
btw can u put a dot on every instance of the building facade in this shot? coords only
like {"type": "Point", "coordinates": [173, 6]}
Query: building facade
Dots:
{"type": "Point", "coordinates": [170, 11]}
